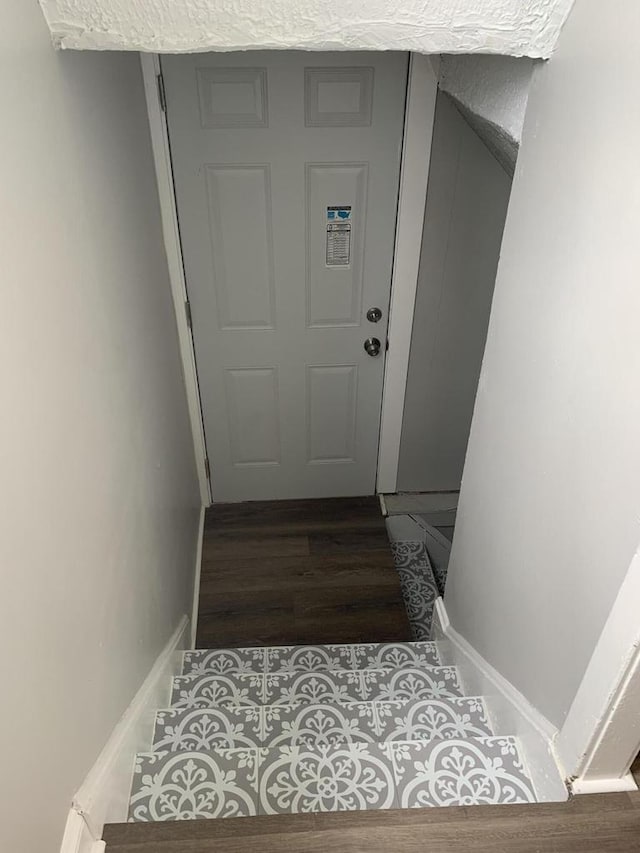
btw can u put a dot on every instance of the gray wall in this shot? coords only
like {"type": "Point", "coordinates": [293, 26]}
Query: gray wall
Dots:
{"type": "Point", "coordinates": [467, 201]}
{"type": "Point", "coordinates": [549, 514]}
{"type": "Point", "coordinates": [99, 498]}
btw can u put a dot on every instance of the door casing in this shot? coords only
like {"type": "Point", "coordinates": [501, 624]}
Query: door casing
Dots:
{"type": "Point", "coordinates": [414, 171]}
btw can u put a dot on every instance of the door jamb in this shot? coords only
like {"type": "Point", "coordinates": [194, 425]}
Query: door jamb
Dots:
{"type": "Point", "coordinates": [164, 175]}
{"type": "Point", "coordinates": [422, 89]}
{"type": "Point", "coordinates": [414, 171]}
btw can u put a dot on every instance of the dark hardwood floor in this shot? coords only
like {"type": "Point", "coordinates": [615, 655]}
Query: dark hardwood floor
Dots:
{"type": "Point", "coordinates": [600, 823]}
{"type": "Point", "coordinates": [291, 572]}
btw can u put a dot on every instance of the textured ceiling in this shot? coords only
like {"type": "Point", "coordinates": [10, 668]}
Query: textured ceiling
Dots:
{"type": "Point", "coordinates": [513, 27]}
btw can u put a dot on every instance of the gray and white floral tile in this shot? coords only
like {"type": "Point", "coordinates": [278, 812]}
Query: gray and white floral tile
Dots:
{"type": "Point", "coordinates": [417, 683]}
{"type": "Point", "coordinates": [439, 575]}
{"type": "Point", "coordinates": [319, 725]}
{"type": "Point", "coordinates": [459, 772]}
{"type": "Point", "coordinates": [418, 585]}
{"type": "Point", "coordinates": [407, 553]}
{"type": "Point", "coordinates": [306, 658]}
{"type": "Point", "coordinates": [208, 728]}
{"type": "Point", "coordinates": [365, 685]}
{"type": "Point", "coordinates": [432, 719]}
{"type": "Point", "coordinates": [347, 777]}
{"type": "Point", "coordinates": [207, 691]}
{"type": "Point", "coordinates": [395, 655]}
{"type": "Point", "coordinates": [324, 724]}
{"type": "Point", "coordinates": [292, 688]}
{"type": "Point", "coordinates": [190, 785]}
{"type": "Point", "coordinates": [337, 777]}
{"type": "Point", "coordinates": [350, 657]}
{"type": "Point", "coordinates": [224, 661]}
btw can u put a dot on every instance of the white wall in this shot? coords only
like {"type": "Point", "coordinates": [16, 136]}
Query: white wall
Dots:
{"type": "Point", "coordinates": [467, 201]}
{"type": "Point", "coordinates": [549, 515]}
{"type": "Point", "coordinates": [517, 27]}
{"type": "Point", "coordinates": [99, 498]}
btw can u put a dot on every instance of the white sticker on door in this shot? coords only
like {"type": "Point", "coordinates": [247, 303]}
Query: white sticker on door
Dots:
{"type": "Point", "coordinates": [339, 236]}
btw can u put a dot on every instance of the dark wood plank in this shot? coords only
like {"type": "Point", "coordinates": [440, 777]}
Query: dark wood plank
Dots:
{"type": "Point", "coordinates": [235, 546]}
{"type": "Point", "coordinates": [348, 539]}
{"type": "Point", "coordinates": [293, 572]}
{"type": "Point", "coordinates": [298, 516]}
{"type": "Point", "coordinates": [339, 616]}
{"type": "Point", "coordinates": [588, 824]}
{"type": "Point", "coordinates": [240, 618]}
{"type": "Point", "coordinates": [355, 569]}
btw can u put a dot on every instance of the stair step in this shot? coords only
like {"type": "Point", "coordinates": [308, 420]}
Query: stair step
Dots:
{"type": "Point", "coordinates": [284, 725]}
{"type": "Point", "coordinates": [292, 688]}
{"type": "Point", "coordinates": [306, 658]}
{"type": "Point", "coordinates": [343, 777]}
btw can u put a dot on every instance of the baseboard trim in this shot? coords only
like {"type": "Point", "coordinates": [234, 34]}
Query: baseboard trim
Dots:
{"type": "Point", "coordinates": [104, 794]}
{"type": "Point", "coordinates": [604, 786]}
{"type": "Point", "coordinates": [511, 713]}
{"type": "Point", "coordinates": [196, 579]}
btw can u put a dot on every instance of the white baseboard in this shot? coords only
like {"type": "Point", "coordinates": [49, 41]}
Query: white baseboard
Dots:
{"type": "Point", "coordinates": [604, 786]}
{"type": "Point", "coordinates": [103, 796]}
{"type": "Point", "coordinates": [196, 580]}
{"type": "Point", "coordinates": [510, 712]}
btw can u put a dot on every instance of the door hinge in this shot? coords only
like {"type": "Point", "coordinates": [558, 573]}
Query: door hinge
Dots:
{"type": "Point", "coordinates": [207, 468]}
{"type": "Point", "coordinates": [162, 98]}
{"type": "Point", "coordinates": [187, 312]}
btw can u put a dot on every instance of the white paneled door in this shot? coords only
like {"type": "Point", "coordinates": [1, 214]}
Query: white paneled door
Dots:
{"type": "Point", "coordinates": [286, 171]}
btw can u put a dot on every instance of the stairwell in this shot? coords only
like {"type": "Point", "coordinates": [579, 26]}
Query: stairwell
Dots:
{"type": "Point", "coordinates": [323, 728]}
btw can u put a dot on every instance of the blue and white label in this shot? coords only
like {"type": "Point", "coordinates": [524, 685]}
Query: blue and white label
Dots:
{"type": "Point", "coordinates": [339, 236]}
{"type": "Point", "coordinates": [339, 214]}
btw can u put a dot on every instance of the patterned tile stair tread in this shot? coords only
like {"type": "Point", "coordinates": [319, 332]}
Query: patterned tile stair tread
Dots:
{"type": "Point", "coordinates": [305, 658]}
{"type": "Point", "coordinates": [244, 782]}
{"type": "Point", "coordinates": [413, 552]}
{"type": "Point", "coordinates": [285, 725]}
{"type": "Point", "coordinates": [418, 585]}
{"type": "Point", "coordinates": [291, 688]}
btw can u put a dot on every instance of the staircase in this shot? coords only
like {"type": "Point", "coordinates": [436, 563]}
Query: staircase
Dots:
{"type": "Point", "coordinates": [322, 728]}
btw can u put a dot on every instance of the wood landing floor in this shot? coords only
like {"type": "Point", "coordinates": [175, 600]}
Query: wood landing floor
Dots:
{"type": "Point", "coordinates": [600, 823]}
{"type": "Point", "coordinates": [294, 572]}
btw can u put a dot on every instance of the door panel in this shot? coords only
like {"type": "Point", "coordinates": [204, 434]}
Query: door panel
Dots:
{"type": "Point", "coordinates": [253, 412]}
{"type": "Point", "coordinates": [286, 172]}
{"type": "Point", "coordinates": [332, 393]}
{"type": "Point", "coordinates": [239, 203]}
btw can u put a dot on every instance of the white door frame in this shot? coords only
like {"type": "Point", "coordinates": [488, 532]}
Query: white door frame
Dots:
{"type": "Point", "coordinates": [169, 214]}
{"type": "Point", "coordinates": [422, 89]}
{"type": "Point", "coordinates": [414, 170]}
